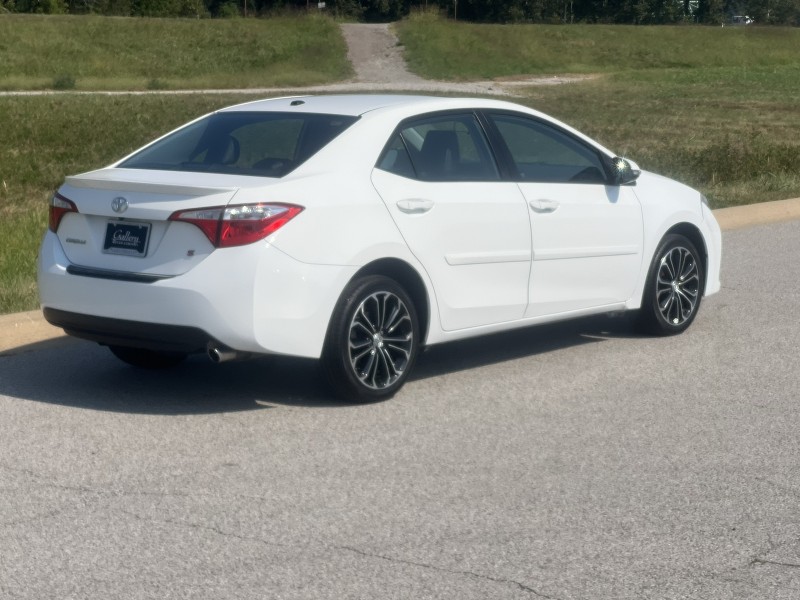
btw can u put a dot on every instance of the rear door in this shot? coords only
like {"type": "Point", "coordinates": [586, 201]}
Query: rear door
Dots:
{"type": "Point", "coordinates": [469, 229]}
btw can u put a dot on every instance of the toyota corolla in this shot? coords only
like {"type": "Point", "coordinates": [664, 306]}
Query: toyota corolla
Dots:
{"type": "Point", "coordinates": [359, 229]}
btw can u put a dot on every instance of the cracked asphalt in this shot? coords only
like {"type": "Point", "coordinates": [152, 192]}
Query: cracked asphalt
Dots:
{"type": "Point", "coordinates": [576, 461]}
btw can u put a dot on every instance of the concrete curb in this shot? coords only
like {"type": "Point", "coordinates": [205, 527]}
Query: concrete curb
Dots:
{"type": "Point", "coordinates": [737, 217]}
{"type": "Point", "coordinates": [22, 329]}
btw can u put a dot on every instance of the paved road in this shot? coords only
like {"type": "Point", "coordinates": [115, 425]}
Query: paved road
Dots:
{"type": "Point", "coordinates": [569, 462]}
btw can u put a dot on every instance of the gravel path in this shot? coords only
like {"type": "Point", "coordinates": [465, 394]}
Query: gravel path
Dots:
{"type": "Point", "coordinates": [376, 54]}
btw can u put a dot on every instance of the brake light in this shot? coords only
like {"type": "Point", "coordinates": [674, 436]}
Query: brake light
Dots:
{"type": "Point", "coordinates": [238, 225]}
{"type": "Point", "coordinates": [59, 206]}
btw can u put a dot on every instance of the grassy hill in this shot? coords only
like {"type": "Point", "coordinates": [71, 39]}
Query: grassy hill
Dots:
{"type": "Point", "coordinates": [120, 53]}
{"type": "Point", "coordinates": [442, 49]}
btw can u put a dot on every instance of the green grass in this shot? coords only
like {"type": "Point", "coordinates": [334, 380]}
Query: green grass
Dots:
{"type": "Point", "coordinates": [444, 49]}
{"type": "Point", "coordinates": [733, 133]}
{"type": "Point", "coordinates": [20, 236]}
{"type": "Point", "coordinates": [715, 108]}
{"type": "Point", "coordinates": [116, 53]}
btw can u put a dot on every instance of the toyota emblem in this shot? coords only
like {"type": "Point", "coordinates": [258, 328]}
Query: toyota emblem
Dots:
{"type": "Point", "coordinates": [119, 205]}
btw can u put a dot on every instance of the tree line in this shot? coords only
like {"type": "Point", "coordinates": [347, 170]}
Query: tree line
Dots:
{"type": "Point", "coordinates": [716, 12]}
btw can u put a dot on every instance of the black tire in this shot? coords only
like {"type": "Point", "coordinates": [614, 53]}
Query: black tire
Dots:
{"type": "Point", "coordinates": [372, 341]}
{"type": "Point", "coordinates": [674, 288]}
{"type": "Point", "coordinates": [147, 359]}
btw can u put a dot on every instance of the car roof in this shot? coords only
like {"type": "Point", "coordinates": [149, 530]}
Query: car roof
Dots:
{"type": "Point", "coordinates": [392, 108]}
{"type": "Point", "coordinates": [357, 105]}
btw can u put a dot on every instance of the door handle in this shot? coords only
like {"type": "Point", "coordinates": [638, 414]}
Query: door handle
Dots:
{"type": "Point", "coordinates": [415, 206]}
{"type": "Point", "coordinates": [543, 206]}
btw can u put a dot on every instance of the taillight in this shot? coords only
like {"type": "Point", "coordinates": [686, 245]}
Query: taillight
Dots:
{"type": "Point", "coordinates": [238, 225]}
{"type": "Point", "coordinates": [59, 206]}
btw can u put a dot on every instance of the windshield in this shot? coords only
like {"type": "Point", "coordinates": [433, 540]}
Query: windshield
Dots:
{"type": "Point", "coordinates": [264, 144]}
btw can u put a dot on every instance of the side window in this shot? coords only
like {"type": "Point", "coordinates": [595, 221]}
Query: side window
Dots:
{"type": "Point", "coordinates": [395, 159]}
{"type": "Point", "coordinates": [441, 148]}
{"type": "Point", "coordinates": [543, 153]}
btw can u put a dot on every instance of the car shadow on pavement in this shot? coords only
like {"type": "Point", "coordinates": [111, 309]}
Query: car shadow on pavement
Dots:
{"type": "Point", "coordinates": [518, 343]}
{"type": "Point", "coordinates": [81, 374]}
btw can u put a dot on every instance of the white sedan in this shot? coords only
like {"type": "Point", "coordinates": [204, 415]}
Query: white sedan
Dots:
{"type": "Point", "coordinates": [357, 229]}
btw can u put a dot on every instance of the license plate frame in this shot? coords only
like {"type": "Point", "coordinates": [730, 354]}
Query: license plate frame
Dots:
{"type": "Point", "coordinates": [127, 238]}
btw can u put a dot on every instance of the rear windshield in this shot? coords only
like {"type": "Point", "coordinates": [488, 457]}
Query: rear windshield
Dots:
{"type": "Point", "coordinates": [265, 144]}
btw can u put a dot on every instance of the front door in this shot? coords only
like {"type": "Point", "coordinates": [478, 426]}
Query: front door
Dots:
{"type": "Point", "coordinates": [587, 235]}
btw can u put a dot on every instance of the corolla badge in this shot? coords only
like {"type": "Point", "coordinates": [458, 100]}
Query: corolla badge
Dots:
{"type": "Point", "coordinates": [119, 204]}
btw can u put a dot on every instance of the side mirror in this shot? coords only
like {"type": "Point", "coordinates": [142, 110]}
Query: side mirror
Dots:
{"type": "Point", "coordinates": [623, 171]}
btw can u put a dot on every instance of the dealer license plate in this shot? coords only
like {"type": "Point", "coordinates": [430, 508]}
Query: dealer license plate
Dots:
{"type": "Point", "coordinates": [126, 238]}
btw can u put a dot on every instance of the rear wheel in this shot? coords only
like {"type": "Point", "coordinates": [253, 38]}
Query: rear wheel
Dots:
{"type": "Point", "coordinates": [673, 289]}
{"type": "Point", "coordinates": [372, 340]}
{"type": "Point", "coordinates": [147, 359]}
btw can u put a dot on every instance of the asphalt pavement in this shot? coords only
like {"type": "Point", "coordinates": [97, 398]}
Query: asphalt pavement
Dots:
{"type": "Point", "coordinates": [570, 461]}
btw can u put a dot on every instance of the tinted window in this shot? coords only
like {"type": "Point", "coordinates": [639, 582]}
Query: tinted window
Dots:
{"type": "Point", "coordinates": [243, 143]}
{"type": "Point", "coordinates": [543, 153]}
{"type": "Point", "coordinates": [442, 148]}
{"type": "Point", "coordinates": [396, 159]}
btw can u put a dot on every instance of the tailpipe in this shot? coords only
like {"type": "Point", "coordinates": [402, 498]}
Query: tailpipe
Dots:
{"type": "Point", "coordinates": [220, 354]}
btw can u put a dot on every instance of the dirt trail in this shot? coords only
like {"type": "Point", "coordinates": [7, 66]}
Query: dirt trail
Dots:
{"type": "Point", "coordinates": [376, 55]}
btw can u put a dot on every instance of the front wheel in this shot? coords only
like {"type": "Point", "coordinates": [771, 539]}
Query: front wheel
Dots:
{"type": "Point", "coordinates": [372, 340]}
{"type": "Point", "coordinates": [673, 289]}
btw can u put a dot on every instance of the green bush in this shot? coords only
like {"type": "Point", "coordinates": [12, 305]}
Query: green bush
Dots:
{"type": "Point", "coordinates": [157, 84]}
{"type": "Point", "coordinates": [64, 81]}
{"type": "Point", "coordinates": [229, 10]}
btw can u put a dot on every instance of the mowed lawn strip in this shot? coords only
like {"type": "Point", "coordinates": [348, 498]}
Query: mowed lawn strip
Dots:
{"type": "Point", "coordinates": [733, 133]}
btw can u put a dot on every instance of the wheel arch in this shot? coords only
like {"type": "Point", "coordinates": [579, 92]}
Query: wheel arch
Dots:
{"type": "Point", "coordinates": [684, 225]}
{"type": "Point", "coordinates": [408, 277]}
{"type": "Point", "coordinates": [693, 234]}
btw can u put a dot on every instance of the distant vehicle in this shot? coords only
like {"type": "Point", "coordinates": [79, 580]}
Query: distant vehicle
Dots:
{"type": "Point", "coordinates": [741, 20]}
{"type": "Point", "coordinates": [357, 229]}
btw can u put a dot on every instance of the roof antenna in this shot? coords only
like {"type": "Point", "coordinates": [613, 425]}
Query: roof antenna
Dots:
{"type": "Point", "coordinates": [297, 102]}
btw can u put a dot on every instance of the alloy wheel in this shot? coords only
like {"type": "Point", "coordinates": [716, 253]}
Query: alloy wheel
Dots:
{"type": "Point", "coordinates": [381, 340]}
{"type": "Point", "coordinates": [677, 285]}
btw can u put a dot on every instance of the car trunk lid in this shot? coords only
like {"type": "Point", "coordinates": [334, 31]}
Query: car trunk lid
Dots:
{"type": "Point", "coordinates": [122, 220]}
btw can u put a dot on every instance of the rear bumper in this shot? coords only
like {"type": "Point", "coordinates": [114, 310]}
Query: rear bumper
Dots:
{"type": "Point", "coordinates": [713, 237]}
{"type": "Point", "coordinates": [135, 334]}
{"type": "Point", "coordinates": [251, 298]}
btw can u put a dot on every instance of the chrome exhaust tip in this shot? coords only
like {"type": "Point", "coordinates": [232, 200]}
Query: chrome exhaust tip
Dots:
{"type": "Point", "coordinates": [220, 354]}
